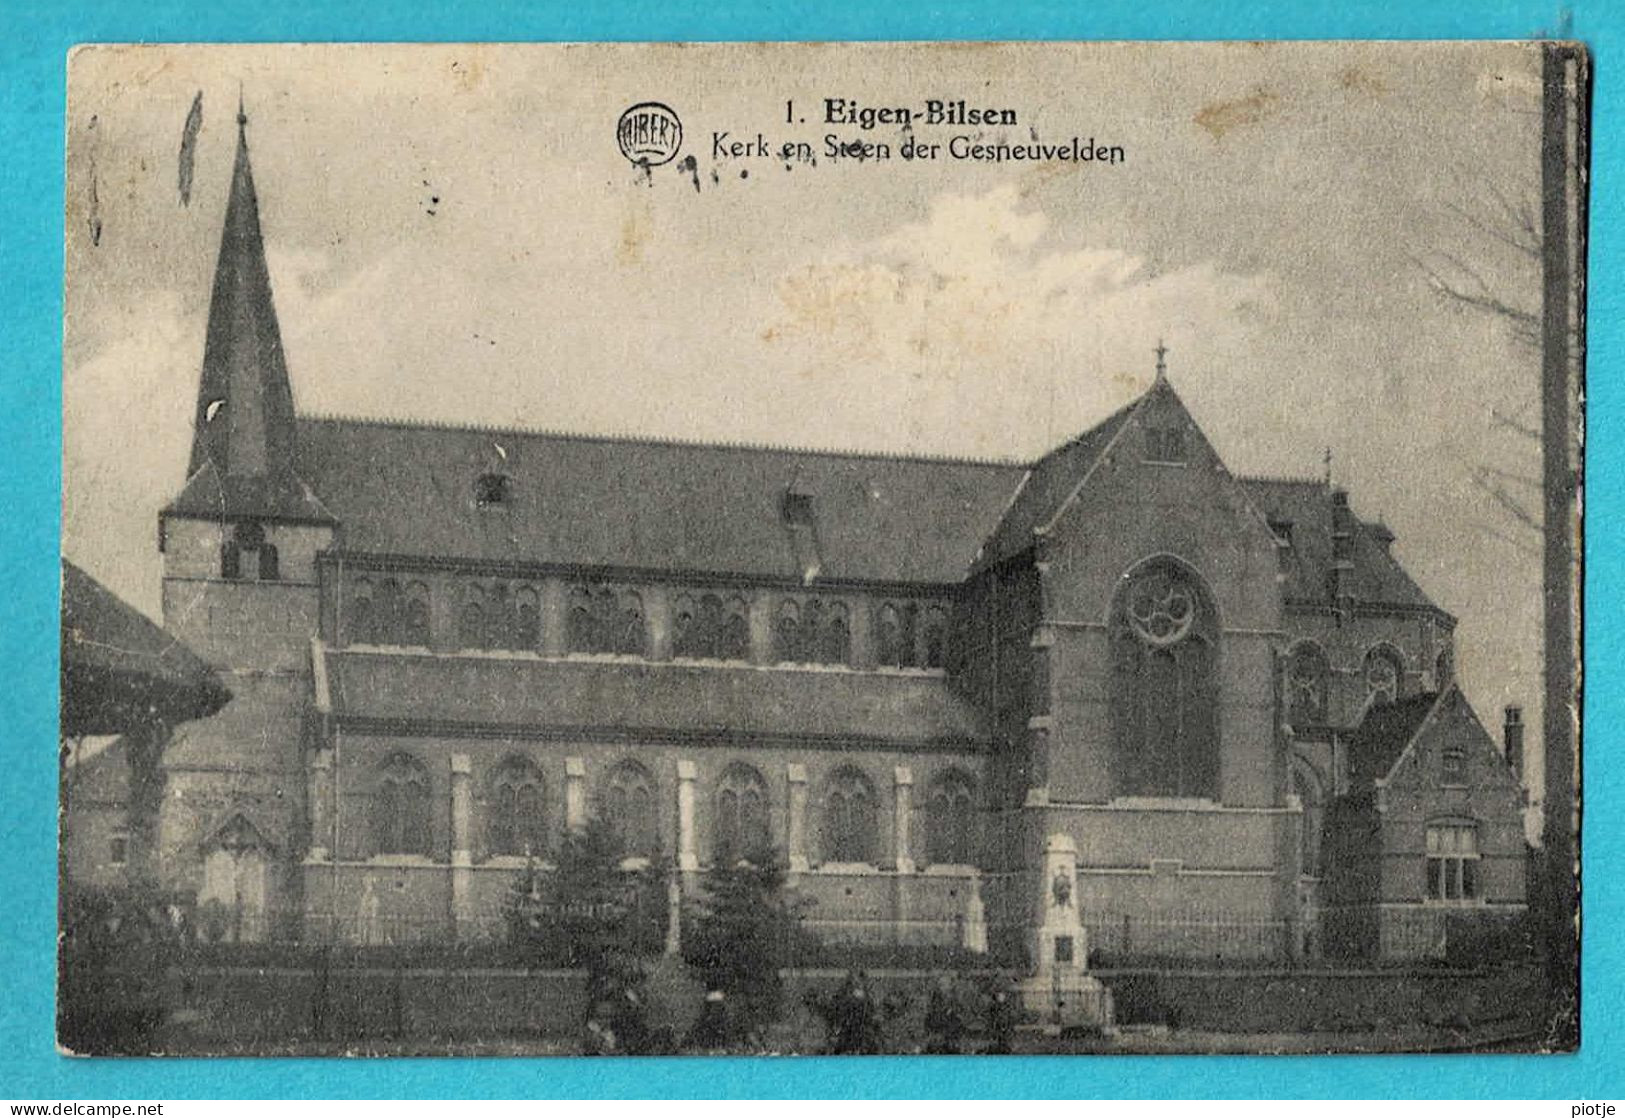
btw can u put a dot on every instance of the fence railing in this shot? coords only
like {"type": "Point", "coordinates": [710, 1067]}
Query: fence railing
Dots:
{"type": "Point", "coordinates": [1112, 936]}
{"type": "Point", "coordinates": [1201, 935]}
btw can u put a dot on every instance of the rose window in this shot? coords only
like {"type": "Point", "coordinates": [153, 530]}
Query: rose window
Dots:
{"type": "Point", "coordinates": [1160, 610]}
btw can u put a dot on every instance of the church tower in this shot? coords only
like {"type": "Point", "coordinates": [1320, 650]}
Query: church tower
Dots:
{"type": "Point", "coordinates": [240, 586]}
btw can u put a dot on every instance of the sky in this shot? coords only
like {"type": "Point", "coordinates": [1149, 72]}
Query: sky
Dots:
{"type": "Point", "coordinates": [453, 235]}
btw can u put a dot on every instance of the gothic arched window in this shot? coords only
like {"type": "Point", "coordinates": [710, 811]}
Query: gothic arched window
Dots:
{"type": "Point", "coordinates": [231, 560]}
{"type": "Point", "coordinates": [270, 569]}
{"type": "Point", "coordinates": [1165, 711]}
{"type": "Point", "coordinates": [908, 635]}
{"type": "Point", "coordinates": [787, 632]}
{"type": "Point", "coordinates": [934, 637]}
{"type": "Point", "coordinates": [400, 807]}
{"type": "Point", "coordinates": [1383, 675]}
{"type": "Point", "coordinates": [834, 639]}
{"type": "Point", "coordinates": [1307, 674]}
{"type": "Point", "coordinates": [415, 616]}
{"type": "Point", "coordinates": [950, 821]}
{"type": "Point", "coordinates": [734, 643]}
{"type": "Point", "coordinates": [850, 818]}
{"type": "Point", "coordinates": [606, 620]}
{"type": "Point", "coordinates": [628, 804]}
{"type": "Point", "coordinates": [386, 612]}
{"type": "Point", "coordinates": [471, 620]}
{"type": "Point", "coordinates": [516, 823]}
{"type": "Point", "coordinates": [527, 624]}
{"type": "Point", "coordinates": [888, 636]}
{"type": "Point", "coordinates": [710, 629]}
{"type": "Point", "coordinates": [361, 614]}
{"type": "Point", "coordinates": [741, 826]}
{"type": "Point", "coordinates": [631, 638]}
{"type": "Point", "coordinates": [581, 620]}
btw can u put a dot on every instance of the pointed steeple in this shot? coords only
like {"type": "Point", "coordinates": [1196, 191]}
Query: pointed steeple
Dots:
{"type": "Point", "coordinates": [243, 442]}
{"type": "Point", "coordinates": [244, 425]}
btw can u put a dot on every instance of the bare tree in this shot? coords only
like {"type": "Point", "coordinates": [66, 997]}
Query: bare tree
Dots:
{"type": "Point", "coordinates": [1513, 479]}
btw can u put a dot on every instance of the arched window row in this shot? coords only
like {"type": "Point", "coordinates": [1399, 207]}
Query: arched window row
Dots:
{"type": "Point", "coordinates": [516, 815]}
{"type": "Point", "coordinates": [911, 635]}
{"type": "Point", "coordinates": [607, 619]}
{"type": "Point", "coordinates": [812, 631]}
{"type": "Point", "coordinates": [1380, 678]}
{"type": "Point", "coordinates": [710, 627]}
{"type": "Point", "coordinates": [500, 615]}
{"type": "Point", "coordinates": [386, 611]}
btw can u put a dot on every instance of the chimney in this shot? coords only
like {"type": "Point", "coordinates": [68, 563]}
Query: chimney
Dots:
{"type": "Point", "coordinates": [1514, 741]}
{"type": "Point", "coordinates": [1342, 548]}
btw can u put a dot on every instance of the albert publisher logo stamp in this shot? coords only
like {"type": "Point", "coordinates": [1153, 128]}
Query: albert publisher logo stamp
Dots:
{"type": "Point", "coordinates": [649, 134]}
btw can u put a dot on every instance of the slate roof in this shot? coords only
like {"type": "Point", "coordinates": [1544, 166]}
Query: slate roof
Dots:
{"type": "Point", "coordinates": [409, 490]}
{"type": "Point", "coordinates": [244, 419]}
{"type": "Point", "coordinates": [120, 669]}
{"type": "Point", "coordinates": [594, 695]}
{"type": "Point", "coordinates": [1377, 575]}
{"type": "Point", "coordinates": [1048, 484]}
{"type": "Point", "coordinates": [280, 496]}
{"type": "Point", "coordinates": [1383, 735]}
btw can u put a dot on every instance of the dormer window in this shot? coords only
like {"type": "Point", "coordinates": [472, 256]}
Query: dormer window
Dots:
{"type": "Point", "coordinates": [492, 490]}
{"type": "Point", "coordinates": [1165, 444]}
{"type": "Point", "coordinates": [798, 510]}
{"type": "Point", "coordinates": [802, 526]}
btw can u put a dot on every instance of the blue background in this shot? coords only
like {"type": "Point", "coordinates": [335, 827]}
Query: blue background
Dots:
{"type": "Point", "coordinates": [34, 40]}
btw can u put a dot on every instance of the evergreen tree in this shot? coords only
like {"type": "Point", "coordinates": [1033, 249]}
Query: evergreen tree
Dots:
{"type": "Point", "coordinates": [743, 936]}
{"type": "Point", "coordinates": [588, 913]}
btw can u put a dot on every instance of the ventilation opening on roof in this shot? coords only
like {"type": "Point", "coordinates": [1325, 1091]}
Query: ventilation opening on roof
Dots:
{"type": "Point", "coordinates": [1282, 530]}
{"type": "Point", "coordinates": [803, 528]}
{"type": "Point", "coordinates": [798, 510]}
{"type": "Point", "coordinates": [491, 490]}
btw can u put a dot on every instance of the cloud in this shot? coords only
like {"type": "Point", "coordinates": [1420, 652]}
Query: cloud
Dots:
{"type": "Point", "coordinates": [118, 473]}
{"type": "Point", "coordinates": [982, 286]}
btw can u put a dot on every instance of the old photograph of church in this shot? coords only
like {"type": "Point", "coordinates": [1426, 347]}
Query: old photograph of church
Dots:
{"type": "Point", "coordinates": [793, 549]}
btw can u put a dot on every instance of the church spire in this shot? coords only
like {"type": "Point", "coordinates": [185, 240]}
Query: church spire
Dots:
{"type": "Point", "coordinates": [244, 425]}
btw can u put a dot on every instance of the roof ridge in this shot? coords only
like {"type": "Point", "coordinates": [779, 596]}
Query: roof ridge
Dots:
{"type": "Point", "coordinates": [656, 440]}
{"type": "Point", "coordinates": [1091, 429]}
{"type": "Point", "coordinates": [1284, 479]}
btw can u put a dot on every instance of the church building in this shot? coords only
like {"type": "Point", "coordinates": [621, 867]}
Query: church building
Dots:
{"type": "Point", "coordinates": [909, 676]}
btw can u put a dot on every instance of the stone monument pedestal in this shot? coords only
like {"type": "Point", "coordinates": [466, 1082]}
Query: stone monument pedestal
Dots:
{"type": "Point", "coordinates": [1061, 994]}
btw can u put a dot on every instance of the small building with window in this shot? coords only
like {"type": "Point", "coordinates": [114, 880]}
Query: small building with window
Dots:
{"type": "Point", "coordinates": [1430, 832]}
